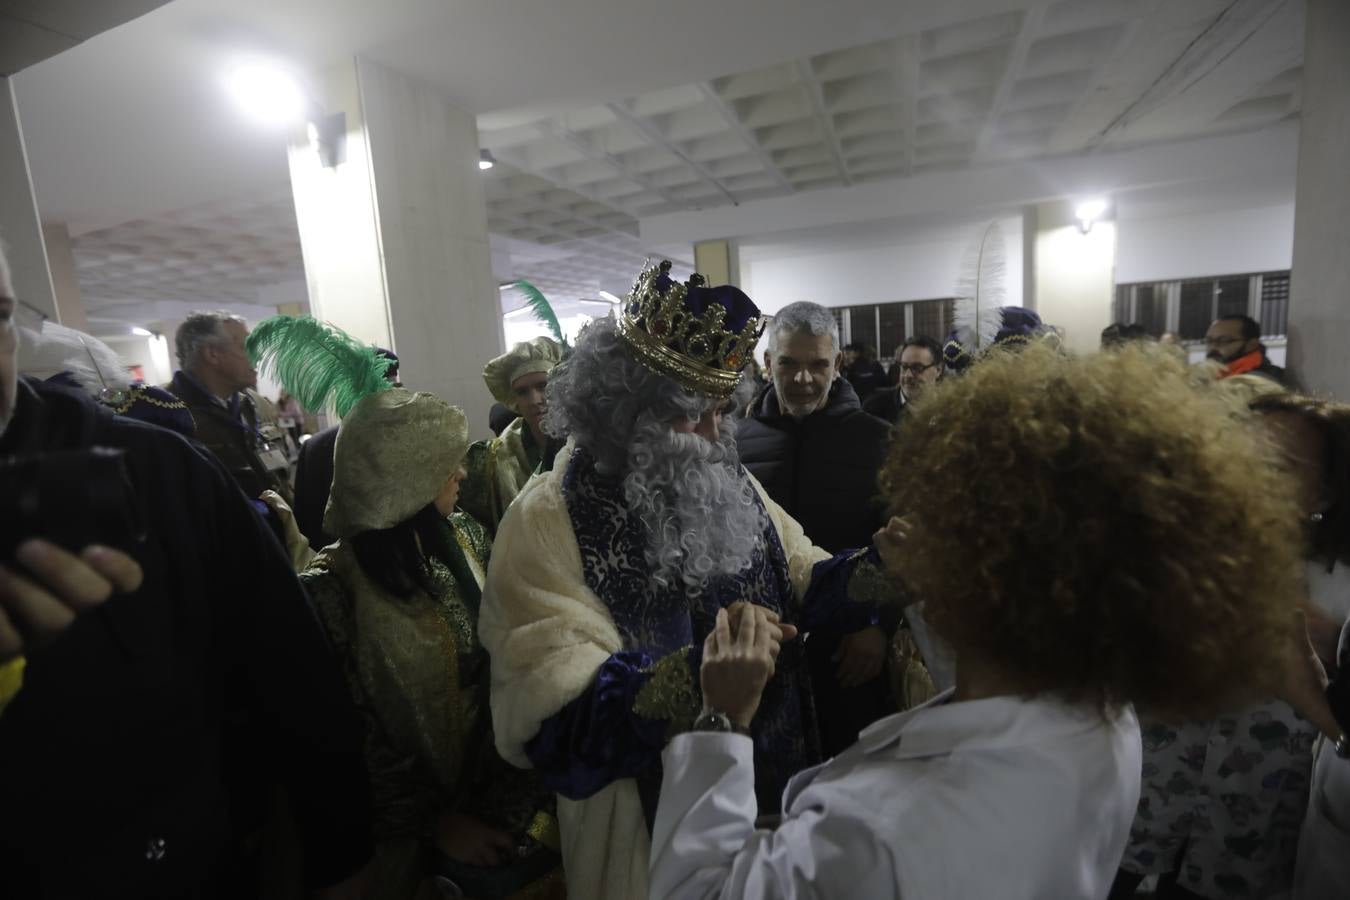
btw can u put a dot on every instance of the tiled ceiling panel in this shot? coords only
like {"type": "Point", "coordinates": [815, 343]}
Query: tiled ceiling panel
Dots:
{"type": "Point", "coordinates": [1046, 77]}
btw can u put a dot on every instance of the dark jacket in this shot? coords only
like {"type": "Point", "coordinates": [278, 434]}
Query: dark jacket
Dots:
{"type": "Point", "coordinates": [823, 469]}
{"type": "Point", "coordinates": [141, 744]}
{"type": "Point", "coordinates": [1270, 370]}
{"type": "Point", "coordinates": [231, 434]}
{"type": "Point", "coordinates": [887, 403]}
{"type": "Point", "coordinates": [865, 376]}
{"type": "Point", "coordinates": [313, 483]}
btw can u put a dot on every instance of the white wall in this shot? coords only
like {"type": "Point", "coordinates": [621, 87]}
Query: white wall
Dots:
{"type": "Point", "coordinates": [1229, 242]}
{"type": "Point", "coordinates": [906, 268]}
{"type": "Point", "coordinates": [151, 354]}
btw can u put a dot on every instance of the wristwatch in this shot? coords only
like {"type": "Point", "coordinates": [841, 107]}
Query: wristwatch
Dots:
{"type": "Point", "coordinates": [713, 720]}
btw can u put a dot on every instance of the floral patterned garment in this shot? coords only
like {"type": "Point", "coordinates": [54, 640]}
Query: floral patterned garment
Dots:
{"type": "Point", "coordinates": [1222, 802]}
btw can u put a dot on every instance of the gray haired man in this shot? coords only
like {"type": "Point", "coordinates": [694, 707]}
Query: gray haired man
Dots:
{"type": "Point", "coordinates": [215, 382]}
{"type": "Point", "coordinates": [817, 454]}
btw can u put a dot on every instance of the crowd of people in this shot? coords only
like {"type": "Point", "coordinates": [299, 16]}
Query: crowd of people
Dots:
{"type": "Point", "coordinates": [1000, 622]}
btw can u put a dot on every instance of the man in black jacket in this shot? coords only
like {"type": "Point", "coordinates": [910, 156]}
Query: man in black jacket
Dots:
{"type": "Point", "coordinates": [817, 453]}
{"type": "Point", "coordinates": [919, 360]}
{"type": "Point", "coordinates": [215, 382]}
{"type": "Point", "coordinates": [148, 723]}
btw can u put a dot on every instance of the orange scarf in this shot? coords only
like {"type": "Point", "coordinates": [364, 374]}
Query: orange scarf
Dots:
{"type": "Point", "coordinates": [1244, 364]}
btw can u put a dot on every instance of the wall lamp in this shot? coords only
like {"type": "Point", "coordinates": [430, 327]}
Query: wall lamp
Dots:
{"type": "Point", "coordinates": [273, 96]}
{"type": "Point", "coordinates": [1088, 212]}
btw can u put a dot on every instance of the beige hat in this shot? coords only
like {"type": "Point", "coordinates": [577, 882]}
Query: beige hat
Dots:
{"type": "Point", "coordinates": [394, 453]}
{"type": "Point", "coordinates": [538, 355]}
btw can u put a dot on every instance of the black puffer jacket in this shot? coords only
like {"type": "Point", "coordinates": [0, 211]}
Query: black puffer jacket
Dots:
{"type": "Point", "coordinates": [823, 469]}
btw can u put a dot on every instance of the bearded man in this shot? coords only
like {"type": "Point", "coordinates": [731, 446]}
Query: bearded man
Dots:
{"type": "Point", "coordinates": [609, 573]}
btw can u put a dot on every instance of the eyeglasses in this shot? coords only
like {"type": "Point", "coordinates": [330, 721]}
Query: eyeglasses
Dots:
{"type": "Point", "coordinates": [1223, 341]}
{"type": "Point", "coordinates": [915, 368]}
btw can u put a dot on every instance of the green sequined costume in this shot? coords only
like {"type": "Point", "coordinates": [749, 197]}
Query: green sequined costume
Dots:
{"type": "Point", "coordinates": [497, 470]}
{"type": "Point", "coordinates": [420, 680]}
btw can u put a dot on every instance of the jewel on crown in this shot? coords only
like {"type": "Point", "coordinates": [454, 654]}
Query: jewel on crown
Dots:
{"type": "Point", "coordinates": [703, 338]}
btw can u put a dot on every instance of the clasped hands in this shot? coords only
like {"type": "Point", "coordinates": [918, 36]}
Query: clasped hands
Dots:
{"type": "Point", "coordinates": [739, 656]}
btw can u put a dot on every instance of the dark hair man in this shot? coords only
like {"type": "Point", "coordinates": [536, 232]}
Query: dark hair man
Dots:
{"type": "Point", "coordinates": [921, 365]}
{"type": "Point", "coordinates": [1235, 341]}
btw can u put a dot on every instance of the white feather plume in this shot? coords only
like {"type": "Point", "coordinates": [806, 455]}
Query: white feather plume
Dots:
{"type": "Point", "coordinates": [56, 349]}
{"type": "Point", "coordinates": [980, 288]}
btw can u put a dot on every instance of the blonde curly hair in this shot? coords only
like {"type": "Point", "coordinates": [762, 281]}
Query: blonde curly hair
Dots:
{"type": "Point", "coordinates": [1097, 528]}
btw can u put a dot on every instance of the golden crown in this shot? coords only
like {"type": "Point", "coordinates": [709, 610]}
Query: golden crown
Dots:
{"type": "Point", "coordinates": [695, 348]}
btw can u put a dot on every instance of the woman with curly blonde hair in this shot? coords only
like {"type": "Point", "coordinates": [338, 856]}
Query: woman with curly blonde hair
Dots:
{"type": "Point", "coordinates": [1089, 534]}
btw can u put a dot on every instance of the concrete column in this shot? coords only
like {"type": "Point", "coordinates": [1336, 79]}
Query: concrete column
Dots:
{"type": "Point", "coordinates": [20, 227]}
{"type": "Point", "coordinates": [65, 277]}
{"type": "Point", "coordinates": [1030, 225]}
{"type": "Point", "coordinates": [1319, 305]}
{"type": "Point", "coordinates": [395, 235]}
{"type": "Point", "coordinates": [1074, 274]}
{"type": "Point", "coordinates": [718, 261]}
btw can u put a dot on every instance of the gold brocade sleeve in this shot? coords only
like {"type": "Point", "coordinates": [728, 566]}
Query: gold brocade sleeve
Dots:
{"type": "Point", "coordinates": [671, 693]}
{"type": "Point", "coordinates": [870, 583]}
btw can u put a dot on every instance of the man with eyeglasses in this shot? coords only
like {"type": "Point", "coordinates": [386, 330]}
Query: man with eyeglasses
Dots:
{"type": "Point", "coordinates": [920, 364]}
{"type": "Point", "coordinates": [1235, 341]}
{"type": "Point", "coordinates": [215, 382]}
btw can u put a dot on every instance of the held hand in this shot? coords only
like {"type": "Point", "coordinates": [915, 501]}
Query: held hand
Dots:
{"type": "Point", "coordinates": [861, 656]}
{"type": "Point", "coordinates": [472, 841]}
{"type": "Point", "coordinates": [778, 631]}
{"type": "Point", "coordinates": [890, 543]}
{"type": "Point", "coordinates": [40, 601]}
{"type": "Point", "coordinates": [736, 669]}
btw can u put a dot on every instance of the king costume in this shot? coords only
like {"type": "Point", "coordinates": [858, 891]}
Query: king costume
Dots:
{"type": "Point", "coordinates": [595, 664]}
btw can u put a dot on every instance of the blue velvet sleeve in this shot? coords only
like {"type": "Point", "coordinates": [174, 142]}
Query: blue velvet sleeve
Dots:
{"type": "Point", "coordinates": [848, 592]}
{"type": "Point", "coordinates": [618, 727]}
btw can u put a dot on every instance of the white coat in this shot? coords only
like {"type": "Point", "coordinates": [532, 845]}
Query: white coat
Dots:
{"type": "Point", "coordinates": [1002, 797]}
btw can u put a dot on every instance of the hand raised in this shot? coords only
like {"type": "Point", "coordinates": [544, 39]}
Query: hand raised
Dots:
{"type": "Point", "coordinates": [42, 599]}
{"type": "Point", "coordinates": [736, 669]}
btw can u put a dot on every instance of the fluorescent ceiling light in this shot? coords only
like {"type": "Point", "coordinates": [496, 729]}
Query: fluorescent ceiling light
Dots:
{"type": "Point", "coordinates": [609, 298]}
{"type": "Point", "coordinates": [141, 332]}
{"type": "Point", "coordinates": [605, 303]}
{"type": "Point", "coordinates": [485, 160]}
{"type": "Point", "coordinates": [266, 93]}
{"type": "Point", "coordinates": [518, 311]}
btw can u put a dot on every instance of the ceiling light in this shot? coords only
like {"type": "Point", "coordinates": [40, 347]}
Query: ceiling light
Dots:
{"type": "Point", "coordinates": [1089, 211]}
{"type": "Point", "coordinates": [485, 160]}
{"type": "Point", "coordinates": [609, 298]}
{"type": "Point", "coordinates": [141, 332]}
{"type": "Point", "coordinates": [267, 93]}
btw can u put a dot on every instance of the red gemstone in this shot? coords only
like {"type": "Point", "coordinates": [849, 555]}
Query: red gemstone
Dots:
{"type": "Point", "coordinates": [659, 329]}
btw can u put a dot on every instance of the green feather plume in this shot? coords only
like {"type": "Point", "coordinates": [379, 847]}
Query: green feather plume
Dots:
{"type": "Point", "coordinates": [316, 362]}
{"type": "Point", "coordinates": [542, 310]}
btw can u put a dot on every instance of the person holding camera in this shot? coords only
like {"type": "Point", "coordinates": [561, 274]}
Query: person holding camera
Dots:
{"type": "Point", "coordinates": [174, 679]}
